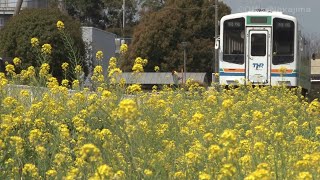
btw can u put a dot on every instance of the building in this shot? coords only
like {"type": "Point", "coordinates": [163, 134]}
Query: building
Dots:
{"type": "Point", "coordinates": [315, 71]}
{"type": "Point", "coordinates": [7, 8]}
{"type": "Point", "coordinates": [98, 40]}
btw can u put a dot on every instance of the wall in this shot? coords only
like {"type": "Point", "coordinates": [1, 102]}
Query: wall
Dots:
{"type": "Point", "coordinates": [98, 40]}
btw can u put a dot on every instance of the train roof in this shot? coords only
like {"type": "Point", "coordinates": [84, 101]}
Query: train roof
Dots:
{"type": "Point", "coordinates": [258, 13]}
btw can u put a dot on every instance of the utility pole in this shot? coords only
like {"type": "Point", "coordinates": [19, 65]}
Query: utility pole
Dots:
{"type": "Point", "coordinates": [216, 57]}
{"type": "Point", "coordinates": [18, 7]}
{"type": "Point", "coordinates": [184, 44]}
{"type": "Point", "coordinates": [123, 17]}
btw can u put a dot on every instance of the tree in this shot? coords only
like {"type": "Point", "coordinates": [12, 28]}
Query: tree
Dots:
{"type": "Point", "coordinates": [89, 12]}
{"type": "Point", "coordinates": [114, 16]}
{"type": "Point", "coordinates": [314, 41]}
{"type": "Point", "coordinates": [152, 5]}
{"type": "Point", "coordinates": [103, 14]}
{"type": "Point", "coordinates": [160, 34]}
{"type": "Point", "coordinates": [41, 23]}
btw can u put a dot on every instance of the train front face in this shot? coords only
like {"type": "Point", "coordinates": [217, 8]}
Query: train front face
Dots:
{"type": "Point", "coordinates": [258, 47]}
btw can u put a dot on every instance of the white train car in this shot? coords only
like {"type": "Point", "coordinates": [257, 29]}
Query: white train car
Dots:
{"type": "Point", "coordinates": [265, 48]}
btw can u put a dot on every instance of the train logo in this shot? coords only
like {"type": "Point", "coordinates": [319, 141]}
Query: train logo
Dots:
{"type": "Point", "coordinates": [258, 65]}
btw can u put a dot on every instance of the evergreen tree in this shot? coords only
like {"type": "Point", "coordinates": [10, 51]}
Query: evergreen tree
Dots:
{"type": "Point", "coordinates": [160, 34]}
{"type": "Point", "coordinates": [15, 37]}
{"type": "Point", "coordinates": [89, 12]}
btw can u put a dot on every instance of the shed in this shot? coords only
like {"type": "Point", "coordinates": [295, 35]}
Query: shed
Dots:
{"type": "Point", "coordinates": [157, 78]}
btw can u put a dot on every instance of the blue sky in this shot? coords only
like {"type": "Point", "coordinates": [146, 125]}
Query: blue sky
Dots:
{"type": "Point", "coordinates": [307, 11]}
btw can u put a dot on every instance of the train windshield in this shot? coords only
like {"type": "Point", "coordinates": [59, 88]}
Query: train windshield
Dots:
{"type": "Point", "coordinates": [233, 40]}
{"type": "Point", "coordinates": [283, 41]}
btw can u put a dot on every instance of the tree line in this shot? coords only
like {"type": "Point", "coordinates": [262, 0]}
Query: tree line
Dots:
{"type": "Point", "coordinates": [157, 28]}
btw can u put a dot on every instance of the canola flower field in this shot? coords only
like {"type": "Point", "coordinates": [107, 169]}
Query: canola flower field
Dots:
{"type": "Point", "coordinates": [51, 132]}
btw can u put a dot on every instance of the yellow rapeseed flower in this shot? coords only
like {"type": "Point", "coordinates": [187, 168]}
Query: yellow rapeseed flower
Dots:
{"type": "Point", "coordinates": [30, 170]}
{"type": "Point", "coordinates": [65, 66]}
{"type": "Point", "coordinates": [16, 61]}
{"type": "Point", "coordinates": [31, 71]}
{"type": "Point", "coordinates": [64, 131]}
{"type": "Point", "coordinates": [113, 61]}
{"type": "Point", "coordinates": [304, 176]}
{"type": "Point", "coordinates": [245, 161]}
{"type": "Point", "coordinates": [191, 157]}
{"type": "Point", "coordinates": [75, 84]}
{"type": "Point", "coordinates": [3, 80]}
{"type": "Point", "coordinates": [51, 173]}
{"type": "Point", "coordinates": [35, 136]}
{"type": "Point", "coordinates": [104, 171]}
{"type": "Point", "coordinates": [34, 42]}
{"type": "Point", "coordinates": [2, 145]}
{"type": "Point", "coordinates": [44, 70]}
{"type": "Point", "coordinates": [99, 55]}
{"type": "Point", "coordinates": [98, 70]}
{"type": "Point", "coordinates": [46, 49]}
{"type": "Point", "coordinates": [204, 176]}
{"type": "Point", "coordinates": [208, 137]}
{"type": "Point", "coordinates": [119, 175]}
{"type": "Point", "coordinates": [228, 137]}
{"type": "Point", "coordinates": [10, 69]}
{"type": "Point", "coordinates": [227, 170]}
{"type": "Point", "coordinates": [106, 93]}
{"type": "Point", "coordinates": [17, 142]}
{"type": "Point", "coordinates": [60, 25]}
{"type": "Point", "coordinates": [259, 147]}
{"type": "Point", "coordinates": [314, 107]}
{"type": "Point", "coordinates": [156, 69]}
{"type": "Point", "coordinates": [147, 172]}
{"type": "Point", "coordinates": [138, 60]}
{"type": "Point", "coordinates": [123, 48]}
{"type": "Point", "coordinates": [134, 88]}
{"type": "Point", "coordinates": [127, 109]}
{"type": "Point", "coordinates": [52, 82]}
{"type": "Point", "coordinates": [278, 136]}
{"type": "Point", "coordinates": [317, 130]}
{"type": "Point", "coordinates": [65, 82]}
{"type": "Point", "coordinates": [257, 115]}
{"type": "Point", "coordinates": [283, 70]}
{"type": "Point", "coordinates": [214, 151]}
{"type": "Point", "coordinates": [90, 153]}
{"type": "Point", "coordinates": [258, 174]}
{"type": "Point", "coordinates": [179, 175]}
{"type": "Point", "coordinates": [137, 68]}
{"type": "Point", "coordinates": [78, 69]}
{"type": "Point", "coordinates": [115, 71]}
{"type": "Point", "coordinates": [227, 103]}
{"type": "Point", "coordinates": [41, 151]}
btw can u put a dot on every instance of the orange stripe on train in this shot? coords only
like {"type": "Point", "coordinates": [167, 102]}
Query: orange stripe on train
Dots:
{"type": "Point", "coordinates": [233, 70]}
{"type": "Point", "coordinates": [288, 71]}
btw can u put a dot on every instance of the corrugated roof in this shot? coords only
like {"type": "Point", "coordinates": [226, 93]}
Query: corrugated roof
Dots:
{"type": "Point", "coordinates": [159, 77]}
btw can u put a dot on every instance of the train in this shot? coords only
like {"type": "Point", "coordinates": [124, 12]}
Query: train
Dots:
{"type": "Point", "coordinates": [263, 48]}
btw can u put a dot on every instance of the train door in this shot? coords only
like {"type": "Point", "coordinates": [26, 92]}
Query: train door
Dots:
{"type": "Point", "coordinates": [258, 51]}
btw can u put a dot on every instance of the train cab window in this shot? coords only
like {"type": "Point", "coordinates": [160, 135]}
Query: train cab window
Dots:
{"type": "Point", "coordinates": [283, 41]}
{"type": "Point", "coordinates": [233, 40]}
{"type": "Point", "coordinates": [258, 44]}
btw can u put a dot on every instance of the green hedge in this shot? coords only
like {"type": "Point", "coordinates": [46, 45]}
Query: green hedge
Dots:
{"type": "Point", "coordinates": [41, 23]}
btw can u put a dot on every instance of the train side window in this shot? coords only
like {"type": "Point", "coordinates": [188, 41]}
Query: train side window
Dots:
{"type": "Point", "coordinates": [283, 41]}
{"type": "Point", "coordinates": [233, 40]}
